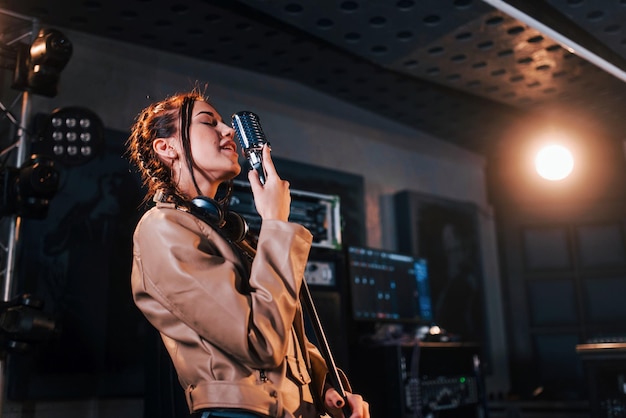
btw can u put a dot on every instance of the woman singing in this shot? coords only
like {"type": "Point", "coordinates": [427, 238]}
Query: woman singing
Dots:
{"type": "Point", "coordinates": [232, 324]}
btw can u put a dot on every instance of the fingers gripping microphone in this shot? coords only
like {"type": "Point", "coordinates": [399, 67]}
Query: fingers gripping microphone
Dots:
{"type": "Point", "coordinates": [251, 138]}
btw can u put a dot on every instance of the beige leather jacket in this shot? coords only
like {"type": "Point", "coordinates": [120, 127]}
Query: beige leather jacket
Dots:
{"type": "Point", "coordinates": [234, 331]}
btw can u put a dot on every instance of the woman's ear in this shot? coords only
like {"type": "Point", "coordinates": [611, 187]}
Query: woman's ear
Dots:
{"type": "Point", "coordinates": [163, 148]}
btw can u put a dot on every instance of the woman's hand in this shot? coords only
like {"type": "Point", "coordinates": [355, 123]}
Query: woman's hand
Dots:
{"type": "Point", "coordinates": [273, 199]}
{"type": "Point", "coordinates": [334, 403]}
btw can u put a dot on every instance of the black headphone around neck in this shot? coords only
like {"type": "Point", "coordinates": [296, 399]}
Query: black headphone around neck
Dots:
{"type": "Point", "coordinates": [208, 210]}
{"type": "Point", "coordinates": [233, 226]}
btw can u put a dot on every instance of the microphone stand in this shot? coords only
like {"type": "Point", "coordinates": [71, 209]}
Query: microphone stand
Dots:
{"type": "Point", "coordinates": [252, 140]}
{"type": "Point", "coordinates": [333, 373]}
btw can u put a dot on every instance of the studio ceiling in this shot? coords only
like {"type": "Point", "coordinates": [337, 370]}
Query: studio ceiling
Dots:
{"type": "Point", "coordinates": [461, 70]}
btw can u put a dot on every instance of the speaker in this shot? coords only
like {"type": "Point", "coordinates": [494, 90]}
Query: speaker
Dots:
{"type": "Point", "coordinates": [328, 305]}
{"type": "Point", "coordinates": [326, 279]}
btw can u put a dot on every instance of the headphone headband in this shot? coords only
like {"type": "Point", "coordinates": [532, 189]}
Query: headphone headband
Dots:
{"type": "Point", "coordinates": [208, 210]}
{"type": "Point", "coordinates": [231, 224]}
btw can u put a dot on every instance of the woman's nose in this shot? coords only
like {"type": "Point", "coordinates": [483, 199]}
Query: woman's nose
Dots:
{"type": "Point", "coordinates": [227, 131]}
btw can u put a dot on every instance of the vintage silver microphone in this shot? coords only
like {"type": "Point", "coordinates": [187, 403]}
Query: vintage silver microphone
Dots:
{"type": "Point", "coordinates": [251, 138]}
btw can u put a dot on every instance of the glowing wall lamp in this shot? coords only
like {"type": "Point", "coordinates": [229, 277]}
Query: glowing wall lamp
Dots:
{"type": "Point", "coordinates": [554, 162]}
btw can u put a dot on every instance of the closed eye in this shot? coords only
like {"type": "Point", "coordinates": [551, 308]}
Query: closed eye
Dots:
{"type": "Point", "coordinates": [204, 115]}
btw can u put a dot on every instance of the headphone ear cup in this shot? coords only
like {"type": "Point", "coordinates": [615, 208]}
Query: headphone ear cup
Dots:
{"type": "Point", "coordinates": [208, 210]}
{"type": "Point", "coordinates": [235, 226]}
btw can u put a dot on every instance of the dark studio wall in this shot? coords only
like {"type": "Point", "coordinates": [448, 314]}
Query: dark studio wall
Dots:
{"type": "Point", "coordinates": [563, 261]}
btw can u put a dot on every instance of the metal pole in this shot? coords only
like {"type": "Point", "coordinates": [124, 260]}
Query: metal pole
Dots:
{"type": "Point", "coordinates": [13, 241]}
{"type": "Point", "coordinates": [15, 221]}
{"type": "Point", "coordinates": [22, 150]}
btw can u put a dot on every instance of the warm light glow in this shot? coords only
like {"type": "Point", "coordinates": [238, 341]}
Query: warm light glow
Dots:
{"type": "Point", "coordinates": [554, 162]}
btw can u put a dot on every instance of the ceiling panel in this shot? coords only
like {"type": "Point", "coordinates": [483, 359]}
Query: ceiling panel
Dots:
{"type": "Point", "coordinates": [458, 69]}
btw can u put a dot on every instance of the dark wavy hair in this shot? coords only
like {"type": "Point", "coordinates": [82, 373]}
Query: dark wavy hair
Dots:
{"type": "Point", "coordinates": [164, 119]}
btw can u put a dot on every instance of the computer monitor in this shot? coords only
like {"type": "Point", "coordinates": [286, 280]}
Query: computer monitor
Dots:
{"type": "Point", "coordinates": [387, 286]}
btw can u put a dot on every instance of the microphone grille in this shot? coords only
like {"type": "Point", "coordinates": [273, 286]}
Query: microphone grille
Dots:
{"type": "Point", "coordinates": [248, 129]}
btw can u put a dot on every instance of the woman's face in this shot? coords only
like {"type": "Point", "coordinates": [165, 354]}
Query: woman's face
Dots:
{"type": "Point", "coordinates": [213, 149]}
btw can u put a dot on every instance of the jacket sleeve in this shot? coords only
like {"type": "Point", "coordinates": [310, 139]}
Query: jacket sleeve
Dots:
{"type": "Point", "coordinates": [185, 272]}
{"type": "Point", "coordinates": [319, 377]}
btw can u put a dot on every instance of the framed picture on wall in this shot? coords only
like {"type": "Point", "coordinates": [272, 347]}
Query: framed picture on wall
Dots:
{"type": "Point", "coordinates": [446, 233]}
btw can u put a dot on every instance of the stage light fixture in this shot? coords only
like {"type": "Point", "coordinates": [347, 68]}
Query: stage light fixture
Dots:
{"type": "Point", "coordinates": [70, 135]}
{"type": "Point", "coordinates": [39, 65]}
{"type": "Point", "coordinates": [26, 191]}
{"type": "Point", "coordinates": [23, 323]}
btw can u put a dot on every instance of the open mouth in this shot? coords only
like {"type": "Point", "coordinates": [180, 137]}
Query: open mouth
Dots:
{"type": "Point", "coordinates": [229, 147]}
